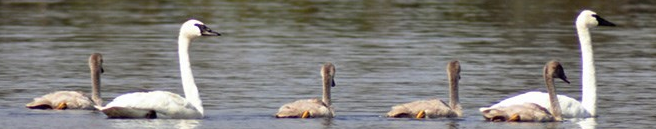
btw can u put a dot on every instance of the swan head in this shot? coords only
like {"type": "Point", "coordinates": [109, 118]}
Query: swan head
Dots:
{"type": "Point", "coordinates": [194, 28]}
{"type": "Point", "coordinates": [590, 19]}
{"type": "Point", "coordinates": [328, 72]}
{"type": "Point", "coordinates": [556, 70]}
{"type": "Point", "coordinates": [95, 61]}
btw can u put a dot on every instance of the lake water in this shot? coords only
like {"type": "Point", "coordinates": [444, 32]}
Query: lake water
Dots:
{"type": "Point", "coordinates": [386, 53]}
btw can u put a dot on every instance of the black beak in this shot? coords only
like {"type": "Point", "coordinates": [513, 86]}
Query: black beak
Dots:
{"type": "Point", "coordinates": [560, 73]}
{"type": "Point", "coordinates": [206, 31]}
{"type": "Point", "coordinates": [603, 22]}
{"type": "Point", "coordinates": [562, 76]}
{"type": "Point", "coordinates": [565, 79]}
{"type": "Point", "coordinates": [102, 70]}
{"type": "Point", "coordinates": [332, 82]}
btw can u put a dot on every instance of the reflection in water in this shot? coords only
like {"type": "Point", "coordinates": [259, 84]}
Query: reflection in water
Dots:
{"type": "Point", "coordinates": [452, 125]}
{"type": "Point", "coordinates": [586, 123]}
{"type": "Point", "coordinates": [187, 124]}
{"type": "Point", "coordinates": [154, 123]}
{"type": "Point", "coordinates": [327, 123]}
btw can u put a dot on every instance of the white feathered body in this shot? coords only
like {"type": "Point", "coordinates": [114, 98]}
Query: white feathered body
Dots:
{"type": "Point", "coordinates": [571, 108]}
{"type": "Point", "coordinates": [163, 104]}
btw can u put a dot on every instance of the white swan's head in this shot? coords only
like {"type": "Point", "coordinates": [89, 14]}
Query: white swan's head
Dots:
{"type": "Point", "coordinates": [194, 28]}
{"type": "Point", "coordinates": [590, 19]}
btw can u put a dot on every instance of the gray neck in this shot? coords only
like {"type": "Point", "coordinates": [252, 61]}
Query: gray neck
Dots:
{"type": "Point", "coordinates": [454, 99]}
{"type": "Point", "coordinates": [551, 89]}
{"type": "Point", "coordinates": [95, 89]}
{"type": "Point", "coordinates": [326, 90]}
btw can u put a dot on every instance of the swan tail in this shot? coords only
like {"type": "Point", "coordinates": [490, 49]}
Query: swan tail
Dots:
{"type": "Point", "coordinates": [39, 104]}
{"type": "Point", "coordinates": [399, 111]}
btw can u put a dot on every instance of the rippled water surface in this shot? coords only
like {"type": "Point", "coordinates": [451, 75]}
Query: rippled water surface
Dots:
{"type": "Point", "coordinates": [386, 53]}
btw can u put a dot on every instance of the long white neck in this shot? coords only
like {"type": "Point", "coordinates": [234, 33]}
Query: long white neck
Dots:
{"type": "Point", "coordinates": [188, 84]}
{"type": "Point", "coordinates": [589, 82]}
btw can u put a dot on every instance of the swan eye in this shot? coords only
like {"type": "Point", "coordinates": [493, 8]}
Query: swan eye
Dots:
{"type": "Point", "coordinates": [201, 27]}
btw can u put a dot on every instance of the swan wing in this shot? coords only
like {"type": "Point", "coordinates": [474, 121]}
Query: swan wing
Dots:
{"type": "Point", "coordinates": [161, 104]}
{"type": "Point", "coordinates": [526, 112]}
{"type": "Point", "coordinates": [72, 99]}
{"type": "Point", "coordinates": [295, 109]}
{"type": "Point", "coordinates": [432, 108]}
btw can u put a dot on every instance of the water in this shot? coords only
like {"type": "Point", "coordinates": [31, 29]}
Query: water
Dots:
{"type": "Point", "coordinates": [386, 53]}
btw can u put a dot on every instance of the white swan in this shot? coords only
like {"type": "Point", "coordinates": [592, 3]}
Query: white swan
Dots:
{"type": "Point", "coordinates": [572, 108]}
{"type": "Point", "coordinates": [164, 104]}
{"type": "Point", "coordinates": [311, 108]}
{"type": "Point", "coordinates": [434, 108]}
{"type": "Point", "coordinates": [61, 100]}
{"type": "Point", "coordinates": [531, 112]}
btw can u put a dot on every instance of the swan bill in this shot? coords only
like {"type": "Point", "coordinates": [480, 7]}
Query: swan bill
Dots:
{"type": "Point", "coordinates": [602, 22]}
{"type": "Point", "coordinates": [206, 31]}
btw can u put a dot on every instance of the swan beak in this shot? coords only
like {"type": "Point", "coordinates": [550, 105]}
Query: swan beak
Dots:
{"type": "Point", "coordinates": [332, 82]}
{"type": "Point", "coordinates": [565, 79]}
{"type": "Point", "coordinates": [603, 22]}
{"type": "Point", "coordinates": [210, 33]}
{"type": "Point", "coordinates": [206, 31]}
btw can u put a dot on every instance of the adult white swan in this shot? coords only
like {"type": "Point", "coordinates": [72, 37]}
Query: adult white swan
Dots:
{"type": "Point", "coordinates": [434, 108]}
{"type": "Point", "coordinates": [164, 104]}
{"type": "Point", "coordinates": [531, 112]}
{"type": "Point", "coordinates": [61, 100]}
{"type": "Point", "coordinates": [572, 108]}
{"type": "Point", "coordinates": [311, 108]}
